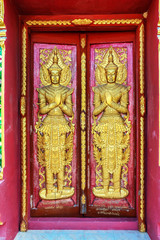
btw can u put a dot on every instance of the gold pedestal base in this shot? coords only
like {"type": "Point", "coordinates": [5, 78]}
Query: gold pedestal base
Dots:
{"type": "Point", "coordinates": [101, 193]}
{"type": "Point", "coordinates": [55, 194]}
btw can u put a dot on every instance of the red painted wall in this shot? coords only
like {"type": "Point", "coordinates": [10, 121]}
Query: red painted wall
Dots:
{"type": "Point", "coordinates": [10, 186]}
{"type": "Point", "coordinates": [153, 170]}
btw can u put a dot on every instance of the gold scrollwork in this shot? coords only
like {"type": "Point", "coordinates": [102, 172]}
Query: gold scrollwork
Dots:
{"type": "Point", "coordinates": [142, 168]}
{"type": "Point", "coordinates": [23, 105]}
{"type": "Point", "coordinates": [83, 42]}
{"type": "Point", "coordinates": [141, 49]}
{"type": "Point", "coordinates": [142, 105]}
{"type": "Point", "coordinates": [82, 21]}
{"type": "Point", "coordinates": [45, 23]}
{"type": "Point", "coordinates": [117, 21]}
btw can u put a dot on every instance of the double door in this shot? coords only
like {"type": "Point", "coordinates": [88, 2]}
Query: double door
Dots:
{"type": "Point", "coordinates": [82, 116]}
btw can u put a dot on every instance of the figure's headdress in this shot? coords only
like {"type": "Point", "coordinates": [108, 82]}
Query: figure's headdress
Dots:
{"type": "Point", "coordinates": [55, 68]}
{"type": "Point", "coordinates": [111, 64]}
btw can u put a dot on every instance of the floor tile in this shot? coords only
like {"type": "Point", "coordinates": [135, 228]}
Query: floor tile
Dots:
{"type": "Point", "coordinates": [81, 235]}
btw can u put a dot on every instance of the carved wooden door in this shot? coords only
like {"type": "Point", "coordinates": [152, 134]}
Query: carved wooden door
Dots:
{"type": "Point", "coordinates": [83, 128]}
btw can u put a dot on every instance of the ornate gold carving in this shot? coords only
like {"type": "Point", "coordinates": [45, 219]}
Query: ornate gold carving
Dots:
{"type": "Point", "coordinates": [83, 160]}
{"type": "Point", "coordinates": [142, 227]}
{"type": "Point", "coordinates": [24, 166]}
{"type": "Point", "coordinates": [111, 133]}
{"type": "Point", "coordinates": [102, 61]}
{"type": "Point", "coordinates": [83, 82]}
{"type": "Point", "coordinates": [83, 199]}
{"type": "Point", "coordinates": [83, 42]}
{"type": "Point", "coordinates": [64, 61]}
{"type": "Point", "coordinates": [50, 23]}
{"type": "Point", "coordinates": [54, 132]}
{"type": "Point", "coordinates": [23, 133]}
{"type": "Point", "coordinates": [23, 226]}
{"type": "Point", "coordinates": [24, 42]}
{"type": "Point", "coordinates": [141, 49]}
{"type": "Point", "coordinates": [82, 21]}
{"type": "Point", "coordinates": [83, 121]}
{"type": "Point", "coordinates": [145, 14]}
{"type": "Point", "coordinates": [142, 105]}
{"type": "Point", "coordinates": [2, 25]}
{"type": "Point", "coordinates": [117, 21]}
{"type": "Point", "coordinates": [23, 105]}
{"type": "Point", "coordinates": [142, 168]}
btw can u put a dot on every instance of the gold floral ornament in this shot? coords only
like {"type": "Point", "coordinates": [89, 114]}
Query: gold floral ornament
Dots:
{"type": "Point", "coordinates": [100, 69]}
{"type": "Point", "coordinates": [66, 73]}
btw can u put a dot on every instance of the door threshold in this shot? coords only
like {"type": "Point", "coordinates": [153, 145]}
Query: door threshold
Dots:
{"type": "Point", "coordinates": [82, 224]}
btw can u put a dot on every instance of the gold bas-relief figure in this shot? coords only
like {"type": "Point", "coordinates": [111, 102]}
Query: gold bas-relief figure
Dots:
{"type": "Point", "coordinates": [111, 130]}
{"type": "Point", "coordinates": [54, 129]}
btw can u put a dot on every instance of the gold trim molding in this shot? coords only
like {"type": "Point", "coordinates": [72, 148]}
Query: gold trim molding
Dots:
{"type": "Point", "coordinates": [85, 21]}
{"type": "Point", "coordinates": [23, 226]}
{"type": "Point", "coordinates": [142, 169]}
{"type": "Point", "coordinates": [142, 105]}
{"type": "Point", "coordinates": [141, 49]}
{"type": "Point", "coordinates": [50, 23]}
{"type": "Point", "coordinates": [83, 42]}
{"type": "Point", "coordinates": [82, 21]}
{"type": "Point", "coordinates": [118, 21]}
{"type": "Point", "coordinates": [2, 45]}
{"type": "Point", "coordinates": [142, 227]}
{"type": "Point", "coordinates": [83, 121]}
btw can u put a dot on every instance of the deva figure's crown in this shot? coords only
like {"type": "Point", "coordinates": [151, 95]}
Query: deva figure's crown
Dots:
{"type": "Point", "coordinates": [55, 68]}
{"type": "Point", "coordinates": [111, 65]}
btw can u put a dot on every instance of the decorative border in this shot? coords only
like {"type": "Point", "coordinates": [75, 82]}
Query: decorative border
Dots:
{"type": "Point", "coordinates": [142, 226]}
{"type": "Point", "coordinates": [83, 125]}
{"type": "Point", "coordinates": [118, 21]}
{"type": "Point", "coordinates": [23, 226]}
{"type": "Point", "coordinates": [85, 22]}
{"type": "Point", "coordinates": [2, 46]}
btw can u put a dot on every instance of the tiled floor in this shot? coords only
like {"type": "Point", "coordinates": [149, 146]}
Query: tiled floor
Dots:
{"type": "Point", "coordinates": [81, 235]}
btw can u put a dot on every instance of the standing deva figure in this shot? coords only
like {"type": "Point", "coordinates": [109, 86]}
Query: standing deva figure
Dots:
{"type": "Point", "coordinates": [54, 131]}
{"type": "Point", "coordinates": [111, 130]}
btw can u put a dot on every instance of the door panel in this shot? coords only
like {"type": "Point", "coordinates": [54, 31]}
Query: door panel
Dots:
{"type": "Point", "coordinates": [46, 150]}
{"type": "Point", "coordinates": [98, 205]}
{"type": "Point", "coordinates": [104, 161]}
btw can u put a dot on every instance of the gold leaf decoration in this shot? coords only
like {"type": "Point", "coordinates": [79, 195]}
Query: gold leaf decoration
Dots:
{"type": "Point", "coordinates": [50, 23]}
{"type": "Point", "coordinates": [82, 21]}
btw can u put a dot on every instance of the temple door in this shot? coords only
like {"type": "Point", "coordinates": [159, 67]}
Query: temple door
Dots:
{"type": "Point", "coordinates": [82, 124]}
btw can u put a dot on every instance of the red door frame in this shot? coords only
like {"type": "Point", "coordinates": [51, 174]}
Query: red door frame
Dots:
{"type": "Point", "coordinates": [83, 23]}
